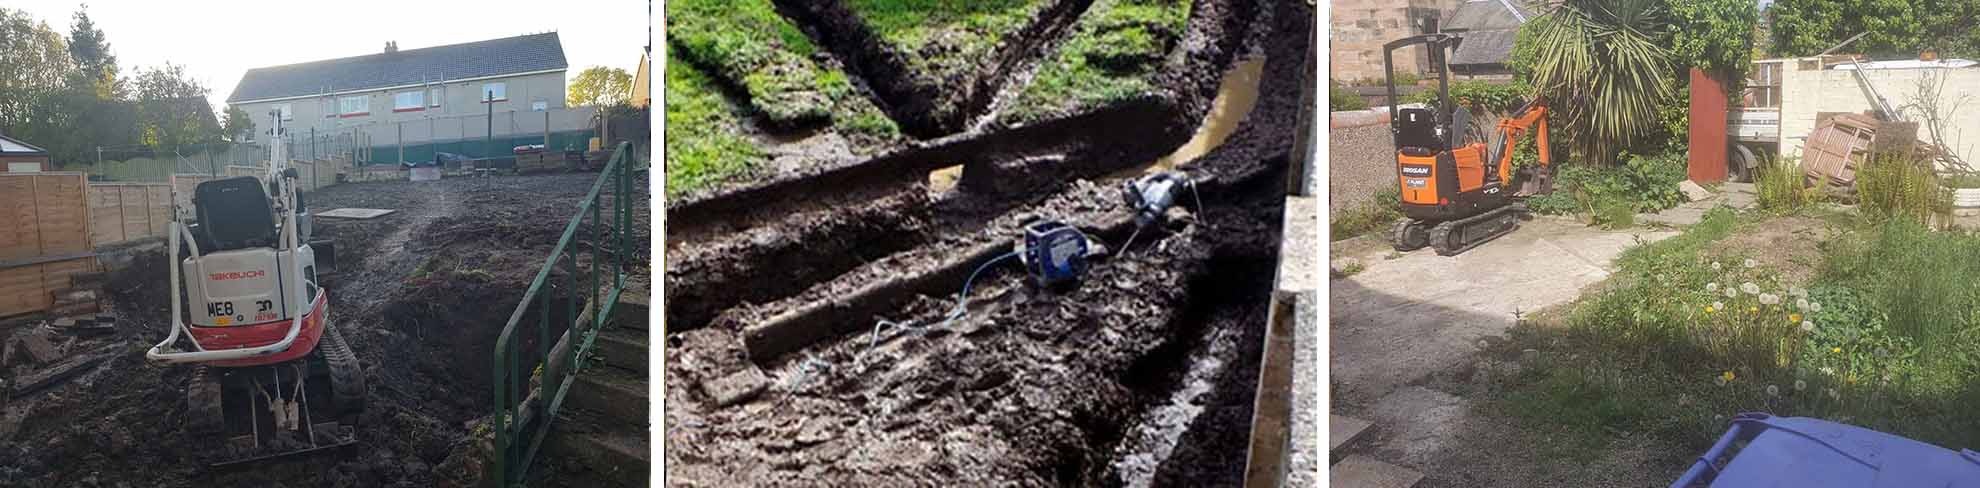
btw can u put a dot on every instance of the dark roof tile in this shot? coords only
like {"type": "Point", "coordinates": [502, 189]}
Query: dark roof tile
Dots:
{"type": "Point", "coordinates": [511, 55]}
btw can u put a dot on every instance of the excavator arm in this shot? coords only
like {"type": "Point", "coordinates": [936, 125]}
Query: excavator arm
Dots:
{"type": "Point", "coordinates": [1532, 116]}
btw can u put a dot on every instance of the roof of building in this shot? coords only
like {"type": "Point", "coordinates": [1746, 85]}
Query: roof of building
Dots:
{"type": "Point", "coordinates": [1481, 15]}
{"type": "Point", "coordinates": [1484, 47]}
{"type": "Point", "coordinates": [495, 57]}
{"type": "Point", "coordinates": [9, 145]}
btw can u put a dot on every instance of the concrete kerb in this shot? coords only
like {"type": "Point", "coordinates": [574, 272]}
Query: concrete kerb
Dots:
{"type": "Point", "coordinates": [1284, 424]}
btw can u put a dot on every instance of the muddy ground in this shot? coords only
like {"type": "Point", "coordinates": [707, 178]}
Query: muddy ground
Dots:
{"type": "Point", "coordinates": [420, 294]}
{"type": "Point", "coordinates": [1142, 376]}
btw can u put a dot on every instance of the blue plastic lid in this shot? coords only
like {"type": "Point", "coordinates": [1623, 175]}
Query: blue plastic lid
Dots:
{"type": "Point", "coordinates": [1815, 453]}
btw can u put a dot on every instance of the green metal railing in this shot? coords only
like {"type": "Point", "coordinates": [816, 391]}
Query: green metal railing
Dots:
{"type": "Point", "coordinates": [524, 409]}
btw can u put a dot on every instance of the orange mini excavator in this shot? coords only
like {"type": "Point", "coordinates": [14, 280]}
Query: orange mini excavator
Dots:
{"type": "Point", "coordinates": [1453, 197]}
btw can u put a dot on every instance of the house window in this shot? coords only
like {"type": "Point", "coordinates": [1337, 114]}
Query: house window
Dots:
{"type": "Point", "coordinates": [409, 101]}
{"type": "Point", "coordinates": [287, 114]}
{"type": "Point", "coordinates": [354, 106]}
{"type": "Point", "coordinates": [495, 92]}
{"type": "Point", "coordinates": [539, 106]}
{"type": "Point", "coordinates": [433, 97]}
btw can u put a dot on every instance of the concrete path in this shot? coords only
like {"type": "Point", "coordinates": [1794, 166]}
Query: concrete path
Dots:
{"type": "Point", "coordinates": [1399, 320]}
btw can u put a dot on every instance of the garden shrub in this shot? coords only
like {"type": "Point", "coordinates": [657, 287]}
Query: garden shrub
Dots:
{"type": "Point", "coordinates": [1339, 98]}
{"type": "Point", "coordinates": [1782, 187]}
{"type": "Point", "coordinates": [1897, 186]}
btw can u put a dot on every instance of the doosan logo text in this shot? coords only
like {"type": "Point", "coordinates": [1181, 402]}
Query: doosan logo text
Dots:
{"type": "Point", "coordinates": [236, 275]}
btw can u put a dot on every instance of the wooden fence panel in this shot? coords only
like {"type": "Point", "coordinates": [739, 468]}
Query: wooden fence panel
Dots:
{"type": "Point", "coordinates": [62, 213]}
{"type": "Point", "coordinates": [22, 291]}
{"type": "Point", "coordinates": [106, 218]}
{"type": "Point", "coordinates": [19, 237]}
{"type": "Point", "coordinates": [158, 198]}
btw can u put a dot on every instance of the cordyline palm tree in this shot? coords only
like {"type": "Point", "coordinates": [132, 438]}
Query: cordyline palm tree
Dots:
{"type": "Point", "coordinates": [1602, 70]}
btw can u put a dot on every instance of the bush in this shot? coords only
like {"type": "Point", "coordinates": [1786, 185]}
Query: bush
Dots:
{"type": "Point", "coordinates": [1899, 187]}
{"type": "Point", "coordinates": [1644, 184]}
{"type": "Point", "coordinates": [1782, 187]}
{"type": "Point", "coordinates": [1476, 95]}
{"type": "Point", "coordinates": [1339, 99]}
{"type": "Point", "coordinates": [1923, 284]}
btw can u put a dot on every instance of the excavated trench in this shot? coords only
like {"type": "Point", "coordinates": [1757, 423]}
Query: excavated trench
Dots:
{"type": "Point", "coordinates": [1143, 375]}
{"type": "Point", "coordinates": [927, 105]}
{"type": "Point", "coordinates": [768, 239]}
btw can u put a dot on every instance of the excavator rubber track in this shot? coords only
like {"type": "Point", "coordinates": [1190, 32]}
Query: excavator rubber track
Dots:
{"type": "Point", "coordinates": [1453, 237]}
{"type": "Point", "coordinates": [1409, 235]}
{"type": "Point", "coordinates": [225, 411]}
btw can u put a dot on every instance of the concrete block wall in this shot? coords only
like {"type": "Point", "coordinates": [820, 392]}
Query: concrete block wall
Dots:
{"type": "Point", "coordinates": [1807, 90]}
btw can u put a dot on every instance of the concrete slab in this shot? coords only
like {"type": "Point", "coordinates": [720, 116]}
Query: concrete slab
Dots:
{"type": "Point", "coordinates": [1418, 422]}
{"type": "Point", "coordinates": [1402, 319]}
{"type": "Point", "coordinates": [355, 213]}
{"type": "Point", "coordinates": [1342, 430]}
{"type": "Point", "coordinates": [1359, 471]}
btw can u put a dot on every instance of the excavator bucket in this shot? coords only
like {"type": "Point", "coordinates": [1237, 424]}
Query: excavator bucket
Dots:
{"type": "Point", "coordinates": [1540, 183]}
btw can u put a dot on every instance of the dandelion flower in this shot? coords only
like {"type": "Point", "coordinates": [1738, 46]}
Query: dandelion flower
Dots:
{"type": "Point", "coordinates": [1773, 390]}
{"type": "Point", "coordinates": [1837, 350]}
{"type": "Point", "coordinates": [1794, 317]}
{"type": "Point", "coordinates": [1715, 266]}
{"type": "Point", "coordinates": [1807, 326]}
{"type": "Point", "coordinates": [1801, 304]}
{"type": "Point", "coordinates": [1752, 309]}
{"type": "Point", "coordinates": [1769, 299]}
{"type": "Point", "coordinates": [1798, 292]}
{"type": "Point", "coordinates": [1732, 292]}
{"type": "Point", "coordinates": [1749, 288]}
{"type": "Point", "coordinates": [1711, 288]}
{"type": "Point", "coordinates": [1828, 371]}
{"type": "Point", "coordinates": [1750, 263]}
{"type": "Point", "coordinates": [1800, 385]}
{"type": "Point", "coordinates": [1814, 307]}
{"type": "Point", "coordinates": [1727, 376]}
{"type": "Point", "coordinates": [1719, 305]}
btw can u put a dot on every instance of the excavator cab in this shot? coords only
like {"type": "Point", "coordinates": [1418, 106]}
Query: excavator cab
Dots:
{"type": "Point", "coordinates": [1455, 190]}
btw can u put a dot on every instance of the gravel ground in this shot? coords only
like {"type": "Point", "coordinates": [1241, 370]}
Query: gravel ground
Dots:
{"type": "Point", "coordinates": [1359, 165]}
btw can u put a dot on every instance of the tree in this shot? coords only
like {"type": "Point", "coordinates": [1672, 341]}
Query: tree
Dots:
{"type": "Point", "coordinates": [1890, 28]}
{"type": "Point", "coordinates": [96, 68]}
{"type": "Point", "coordinates": [237, 122]}
{"type": "Point", "coordinates": [1603, 70]}
{"type": "Point", "coordinates": [35, 61]}
{"type": "Point", "coordinates": [172, 108]}
{"type": "Point", "coordinates": [599, 86]}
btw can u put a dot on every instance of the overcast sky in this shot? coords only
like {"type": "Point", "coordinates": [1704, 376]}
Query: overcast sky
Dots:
{"type": "Point", "coordinates": [219, 40]}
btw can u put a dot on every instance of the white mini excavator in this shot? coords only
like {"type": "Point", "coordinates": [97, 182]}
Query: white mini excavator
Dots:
{"type": "Point", "coordinates": [273, 376]}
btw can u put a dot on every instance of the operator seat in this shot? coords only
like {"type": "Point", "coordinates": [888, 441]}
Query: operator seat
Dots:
{"type": "Point", "coordinates": [1416, 132]}
{"type": "Point", "coordinates": [234, 213]}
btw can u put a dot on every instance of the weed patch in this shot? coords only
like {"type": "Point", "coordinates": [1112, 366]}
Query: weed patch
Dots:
{"type": "Point", "coordinates": [1689, 332]}
{"type": "Point", "coordinates": [1377, 214]}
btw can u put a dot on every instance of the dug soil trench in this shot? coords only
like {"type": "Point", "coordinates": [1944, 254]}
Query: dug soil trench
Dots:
{"type": "Point", "coordinates": [1143, 375]}
{"type": "Point", "coordinates": [770, 239]}
{"type": "Point", "coordinates": [419, 293]}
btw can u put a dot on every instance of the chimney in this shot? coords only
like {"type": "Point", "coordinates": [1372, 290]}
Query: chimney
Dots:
{"type": "Point", "coordinates": [391, 47]}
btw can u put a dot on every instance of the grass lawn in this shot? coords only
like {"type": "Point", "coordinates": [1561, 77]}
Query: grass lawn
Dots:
{"type": "Point", "coordinates": [1112, 55]}
{"type": "Point", "coordinates": [704, 136]}
{"type": "Point", "coordinates": [748, 45]}
{"type": "Point", "coordinates": [1876, 324]}
{"type": "Point", "coordinates": [945, 39]}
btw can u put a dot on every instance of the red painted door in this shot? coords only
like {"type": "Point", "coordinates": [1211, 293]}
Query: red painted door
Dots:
{"type": "Point", "coordinates": [1707, 150]}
